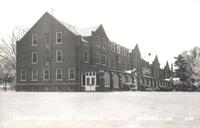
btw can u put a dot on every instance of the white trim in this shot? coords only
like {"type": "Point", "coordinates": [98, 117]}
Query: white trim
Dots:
{"type": "Point", "coordinates": [69, 73]}
{"type": "Point", "coordinates": [57, 74]}
{"type": "Point", "coordinates": [105, 59]}
{"type": "Point", "coordinates": [57, 55]}
{"type": "Point", "coordinates": [21, 75]}
{"type": "Point", "coordinates": [34, 35]}
{"type": "Point", "coordinates": [35, 74]}
{"type": "Point", "coordinates": [57, 38]}
{"type": "Point", "coordinates": [44, 74]}
{"type": "Point", "coordinates": [36, 58]}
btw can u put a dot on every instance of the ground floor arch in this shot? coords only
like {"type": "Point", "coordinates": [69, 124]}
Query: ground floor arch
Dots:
{"type": "Point", "coordinates": [107, 79]}
{"type": "Point", "coordinates": [115, 80]}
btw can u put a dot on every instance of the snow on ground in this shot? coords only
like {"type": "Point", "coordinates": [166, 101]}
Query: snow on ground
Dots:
{"type": "Point", "coordinates": [100, 110]}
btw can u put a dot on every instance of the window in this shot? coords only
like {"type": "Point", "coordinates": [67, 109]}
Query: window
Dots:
{"type": "Point", "coordinates": [93, 81]}
{"type": "Point", "coordinates": [34, 57]}
{"type": "Point", "coordinates": [118, 49]}
{"type": "Point", "coordinates": [119, 60]}
{"type": "Point", "coordinates": [113, 62]}
{"type": "Point", "coordinates": [98, 58]}
{"type": "Point", "coordinates": [47, 58]}
{"type": "Point", "coordinates": [71, 73]}
{"type": "Point", "coordinates": [108, 64]}
{"type": "Point", "coordinates": [104, 59]}
{"type": "Point", "coordinates": [108, 45]}
{"type": "Point", "coordinates": [34, 75]}
{"type": "Point", "coordinates": [113, 47]}
{"type": "Point", "coordinates": [46, 40]}
{"type": "Point", "coordinates": [58, 37]}
{"type": "Point", "coordinates": [104, 43]}
{"type": "Point", "coordinates": [46, 74]}
{"type": "Point", "coordinates": [34, 40]}
{"type": "Point", "coordinates": [98, 42]}
{"type": "Point", "coordinates": [121, 50]}
{"type": "Point", "coordinates": [88, 81]}
{"type": "Point", "coordinates": [86, 56]}
{"type": "Point", "coordinates": [58, 74]}
{"type": "Point", "coordinates": [59, 56]}
{"type": "Point", "coordinates": [23, 75]}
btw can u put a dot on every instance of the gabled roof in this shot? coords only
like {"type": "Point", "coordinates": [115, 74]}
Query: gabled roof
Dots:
{"type": "Point", "coordinates": [156, 60]}
{"type": "Point", "coordinates": [77, 31]}
{"type": "Point", "coordinates": [167, 65]}
{"type": "Point", "coordinates": [136, 49]}
{"type": "Point", "coordinates": [72, 28]}
{"type": "Point", "coordinates": [88, 31]}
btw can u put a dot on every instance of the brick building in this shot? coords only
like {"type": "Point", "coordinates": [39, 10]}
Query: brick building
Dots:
{"type": "Point", "coordinates": [56, 56]}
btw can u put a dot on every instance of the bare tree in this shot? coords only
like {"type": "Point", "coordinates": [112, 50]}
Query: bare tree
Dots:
{"type": "Point", "coordinates": [8, 54]}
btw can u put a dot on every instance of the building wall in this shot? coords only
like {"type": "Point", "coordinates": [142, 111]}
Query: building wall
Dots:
{"type": "Point", "coordinates": [70, 43]}
{"type": "Point", "coordinates": [118, 59]}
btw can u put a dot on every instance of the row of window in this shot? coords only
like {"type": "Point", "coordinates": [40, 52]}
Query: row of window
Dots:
{"type": "Point", "coordinates": [99, 59]}
{"type": "Point", "coordinates": [46, 74]}
{"type": "Point", "coordinates": [102, 60]}
{"type": "Point", "coordinates": [35, 38]}
{"type": "Point", "coordinates": [111, 46]}
{"type": "Point", "coordinates": [59, 57]}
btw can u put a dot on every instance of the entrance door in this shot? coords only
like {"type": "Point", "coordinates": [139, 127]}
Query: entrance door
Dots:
{"type": "Point", "coordinates": [90, 81]}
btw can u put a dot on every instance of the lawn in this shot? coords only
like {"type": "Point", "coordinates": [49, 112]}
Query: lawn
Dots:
{"type": "Point", "coordinates": [100, 110]}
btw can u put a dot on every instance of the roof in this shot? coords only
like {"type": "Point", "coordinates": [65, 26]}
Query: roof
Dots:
{"type": "Point", "coordinates": [87, 31]}
{"type": "Point", "coordinates": [72, 28]}
{"type": "Point", "coordinates": [77, 31]}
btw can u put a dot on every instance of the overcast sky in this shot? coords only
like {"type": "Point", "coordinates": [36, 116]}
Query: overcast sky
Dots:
{"type": "Point", "coordinates": [162, 27]}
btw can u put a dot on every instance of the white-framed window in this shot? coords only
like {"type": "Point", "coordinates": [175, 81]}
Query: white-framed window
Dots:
{"type": "Point", "coordinates": [86, 56]}
{"type": "Point", "coordinates": [34, 75]}
{"type": "Point", "coordinates": [104, 43]}
{"type": "Point", "coordinates": [58, 37]}
{"type": "Point", "coordinates": [59, 74]}
{"type": "Point", "coordinates": [58, 55]}
{"type": "Point", "coordinates": [34, 40]}
{"type": "Point", "coordinates": [34, 57]}
{"type": "Point", "coordinates": [46, 73]}
{"type": "Point", "coordinates": [71, 73]}
{"type": "Point", "coordinates": [104, 59]}
{"type": "Point", "coordinates": [23, 75]}
{"type": "Point", "coordinates": [98, 57]}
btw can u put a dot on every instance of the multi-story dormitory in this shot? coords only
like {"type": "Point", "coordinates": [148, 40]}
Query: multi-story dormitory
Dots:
{"type": "Point", "coordinates": [56, 56]}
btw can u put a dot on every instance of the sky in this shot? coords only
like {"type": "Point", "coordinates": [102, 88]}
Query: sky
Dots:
{"type": "Point", "coordinates": [164, 28]}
